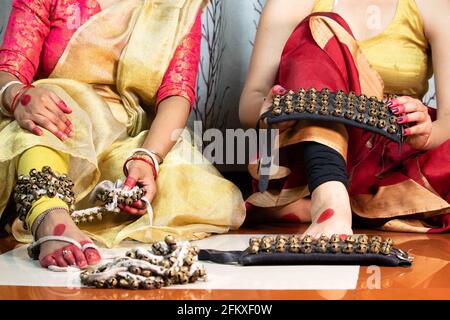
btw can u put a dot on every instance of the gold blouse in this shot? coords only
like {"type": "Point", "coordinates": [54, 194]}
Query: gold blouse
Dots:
{"type": "Point", "coordinates": [401, 53]}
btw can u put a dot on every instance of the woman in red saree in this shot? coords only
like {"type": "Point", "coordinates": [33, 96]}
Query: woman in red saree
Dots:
{"type": "Point", "coordinates": [89, 85]}
{"type": "Point", "coordinates": [405, 190]}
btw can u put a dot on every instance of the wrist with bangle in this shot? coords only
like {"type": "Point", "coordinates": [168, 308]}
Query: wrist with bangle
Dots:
{"type": "Point", "coordinates": [147, 156]}
{"type": "Point", "coordinates": [3, 108]}
{"type": "Point", "coordinates": [9, 111]}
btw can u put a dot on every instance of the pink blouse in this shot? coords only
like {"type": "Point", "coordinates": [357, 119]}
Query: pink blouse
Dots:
{"type": "Point", "coordinates": [38, 32]}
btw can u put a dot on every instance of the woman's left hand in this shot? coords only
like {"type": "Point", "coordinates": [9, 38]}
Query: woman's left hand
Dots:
{"type": "Point", "coordinates": [415, 113]}
{"type": "Point", "coordinates": [139, 173]}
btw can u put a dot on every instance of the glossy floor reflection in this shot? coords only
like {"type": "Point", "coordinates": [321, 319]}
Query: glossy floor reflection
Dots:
{"type": "Point", "coordinates": [427, 279]}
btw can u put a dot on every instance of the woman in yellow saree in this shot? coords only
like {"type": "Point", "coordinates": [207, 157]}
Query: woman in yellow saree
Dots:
{"type": "Point", "coordinates": [86, 85]}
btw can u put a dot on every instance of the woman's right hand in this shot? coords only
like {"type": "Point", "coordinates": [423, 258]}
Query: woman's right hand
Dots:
{"type": "Point", "coordinates": [39, 107]}
{"type": "Point", "coordinates": [268, 101]}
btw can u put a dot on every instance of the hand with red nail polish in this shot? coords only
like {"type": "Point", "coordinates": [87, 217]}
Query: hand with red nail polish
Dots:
{"type": "Point", "coordinates": [276, 90]}
{"type": "Point", "coordinates": [41, 108]}
{"type": "Point", "coordinates": [415, 114]}
{"type": "Point", "coordinates": [139, 173]}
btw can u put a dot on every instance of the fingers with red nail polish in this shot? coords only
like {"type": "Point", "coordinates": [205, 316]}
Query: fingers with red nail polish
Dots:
{"type": "Point", "coordinates": [130, 183]}
{"type": "Point", "coordinates": [278, 90]}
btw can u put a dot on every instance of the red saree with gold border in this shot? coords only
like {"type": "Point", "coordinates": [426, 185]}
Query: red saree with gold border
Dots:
{"type": "Point", "coordinates": [391, 188]}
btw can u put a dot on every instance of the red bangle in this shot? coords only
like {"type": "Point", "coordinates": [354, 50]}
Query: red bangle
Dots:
{"type": "Point", "coordinates": [149, 162]}
{"type": "Point", "coordinates": [18, 94]}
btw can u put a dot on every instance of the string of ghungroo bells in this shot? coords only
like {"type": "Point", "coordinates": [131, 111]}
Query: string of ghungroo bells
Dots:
{"type": "Point", "coordinates": [362, 109]}
{"type": "Point", "coordinates": [168, 262]}
{"type": "Point", "coordinates": [52, 184]}
{"type": "Point", "coordinates": [295, 244]}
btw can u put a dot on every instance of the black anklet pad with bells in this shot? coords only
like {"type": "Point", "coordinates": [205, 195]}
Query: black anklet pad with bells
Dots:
{"type": "Point", "coordinates": [293, 250]}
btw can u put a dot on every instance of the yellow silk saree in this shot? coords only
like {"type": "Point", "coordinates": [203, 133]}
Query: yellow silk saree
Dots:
{"type": "Point", "coordinates": [109, 75]}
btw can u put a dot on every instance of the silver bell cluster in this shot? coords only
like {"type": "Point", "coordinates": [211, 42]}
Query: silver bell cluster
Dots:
{"type": "Point", "coordinates": [42, 183]}
{"type": "Point", "coordinates": [167, 263]}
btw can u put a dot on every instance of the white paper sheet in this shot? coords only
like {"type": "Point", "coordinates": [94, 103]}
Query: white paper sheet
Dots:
{"type": "Point", "coordinates": [16, 269]}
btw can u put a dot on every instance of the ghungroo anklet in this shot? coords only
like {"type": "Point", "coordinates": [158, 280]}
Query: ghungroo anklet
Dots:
{"type": "Point", "coordinates": [168, 262]}
{"type": "Point", "coordinates": [51, 184]}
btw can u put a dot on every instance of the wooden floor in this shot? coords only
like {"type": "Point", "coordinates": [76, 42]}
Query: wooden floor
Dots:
{"type": "Point", "coordinates": [429, 278]}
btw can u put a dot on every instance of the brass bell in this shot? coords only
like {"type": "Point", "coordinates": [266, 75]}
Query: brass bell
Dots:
{"type": "Point", "coordinates": [267, 239]}
{"type": "Point", "coordinates": [276, 111]}
{"type": "Point", "coordinates": [335, 247]}
{"type": "Point", "coordinates": [300, 106]}
{"type": "Point", "coordinates": [254, 249]}
{"type": "Point", "coordinates": [364, 239]}
{"type": "Point", "coordinates": [325, 91]}
{"type": "Point", "coordinates": [349, 114]}
{"type": "Point", "coordinates": [382, 124]}
{"type": "Point", "coordinates": [388, 241]}
{"type": "Point", "coordinates": [280, 248]}
{"type": "Point", "coordinates": [289, 107]}
{"type": "Point", "coordinates": [307, 239]}
{"type": "Point", "coordinates": [335, 238]}
{"type": "Point", "coordinates": [360, 118]}
{"type": "Point", "coordinates": [385, 249]}
{"type": "Point", "coordinates": [323, 238]}
{"type": "Point", "coordinates": [348, 248]}
{"type": "Point", "coordinates": [382, 115]}
{"type": "Point", "coordinates": [182, 278]}
{"type": "Point", "coordinates": [306, 248]}
{"type": "Point", "coordinates": [301, 92]}
{"type": "Point", "coordinates": [123, 283]}
{"type": "Point", "coordinates": [294, 239]}
{"type": "Point", "coordinates": [392, 129]}
{"type": "Point", "coordinates": [337, 112]}
{"type": "Point", "coordinates": [159, 282]}
{"type": "Point", "coordinates": [112, 282]}
{"type": "Point", "coordinates": [393, 120]}
{"type": "Point", "coordinates": [189, 260]}
{"type": "Point", "coordinates": [148, 284]}
{"type": "Point", "coordinates": [375, 239]}
{"type": "Point", "coordinates": [311, 108]}
{"type": "Point", "coordinates": [266, 246]}
{"type": "Point", "coordinates": [294, 248]}
{"type": "Point", "coordinates": [282, 238]}
{"type": "Point", "coordinates": [321, 247]}
{"type": "Point", "coordinates": [361, 108]}
{"type": "Point", "coordinates": [134, 270]}
{"type": "Point", "coordinates": [170, 240]}
{"type": "Point", "coordinates": [375, 247]}
{"type": "Point", "coordinates": [351, 238]}
{"type": "Point", "coordinates": [134, 285]}
{"type": "Point", "coordinates": [51, 192]}
{"type": "Point", "coordinates": [166, 263]}
{"type": "Point", "coordinates": [361, 248]}
{"type": "Point", "coordinates": [373, 112]}
{"type": "Point", "coordinates": [323, 111]}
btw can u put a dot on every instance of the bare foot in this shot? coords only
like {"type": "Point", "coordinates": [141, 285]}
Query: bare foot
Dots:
{"type": "Point", "coordinates": [62, 254]}
{"type": "Point", "coordinates": [330, 211]}
{"type": "Point", "coordinates": [298, 211]}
